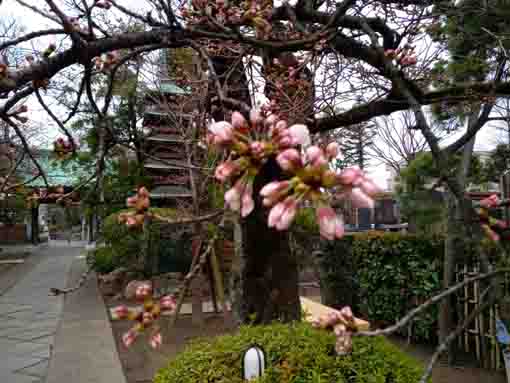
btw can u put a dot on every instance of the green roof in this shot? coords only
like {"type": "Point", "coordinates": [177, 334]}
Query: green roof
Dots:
{"type": "Point", "coordinates": [171, 88]}
{"type": "Point", "coordinates": [168, 87]}
{"type": "Point", "coordinates": [56, 174]}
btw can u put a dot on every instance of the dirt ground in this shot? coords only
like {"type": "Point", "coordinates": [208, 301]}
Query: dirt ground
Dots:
{"type": "Point", "coordinates": [444, 374]}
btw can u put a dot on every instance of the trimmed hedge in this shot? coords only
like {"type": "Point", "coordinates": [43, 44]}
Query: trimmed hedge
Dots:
{"type": "Point", "coordinates": [295, 353]}
{"type": "Point", "coordinates": [383, 275]}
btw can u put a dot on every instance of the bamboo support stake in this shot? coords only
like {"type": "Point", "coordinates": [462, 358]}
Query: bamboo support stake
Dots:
{"type": "Point", "coordinates": [216, 271]}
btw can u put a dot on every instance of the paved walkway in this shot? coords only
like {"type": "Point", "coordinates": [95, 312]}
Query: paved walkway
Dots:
{"type": "Point", "coordinates": [29, 317]}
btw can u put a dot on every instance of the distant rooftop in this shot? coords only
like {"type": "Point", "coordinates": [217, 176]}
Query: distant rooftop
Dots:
{"type": "Point", "coordinates": [55, 173]}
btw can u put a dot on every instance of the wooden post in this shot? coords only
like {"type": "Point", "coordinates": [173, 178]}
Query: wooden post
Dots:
{"type": "Point", "coordinates": [216, 271]}
{"type": "Point", "coordinates": [34, 222]}
{"type": "Point", "coordinates": [197, 314]}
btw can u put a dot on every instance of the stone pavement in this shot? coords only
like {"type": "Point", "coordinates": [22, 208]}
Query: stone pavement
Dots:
{"type": "Point", "coordinates": [29, 317]}
{"type": "Point", "coordinates": [85, 350]}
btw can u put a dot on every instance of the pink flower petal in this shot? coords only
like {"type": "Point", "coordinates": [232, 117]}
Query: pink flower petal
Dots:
{"type": "Point", "coordinates": [360, 199]}
{"type": "Point", "coordinates": [300, 134]}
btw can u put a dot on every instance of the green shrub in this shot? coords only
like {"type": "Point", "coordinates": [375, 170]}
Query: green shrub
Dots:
{"type": "Point", "coordinates": [127, 245]}
{"type": "Point", "coordinates": [102, 260]}
{"type": "Point", "coordinates": [295, 353]}
{"type": "Point", "coordinates": [383, 275]}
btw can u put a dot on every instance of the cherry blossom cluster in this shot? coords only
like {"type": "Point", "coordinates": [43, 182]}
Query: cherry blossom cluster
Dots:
{"type": "Point", "coordinates": [403, 56]}
{"type": "Point", "coordinates": [146, 315]}
{"type": "Point", "coordinates": [62, 148]}
{"type": "Point", "coordinates": [251, 12]}
{"type": "Point", "coordinates": [105, 62]}
{"type": "Point", "coordinates": [343, 325]}
{"type": "Point", "coordinates": [226, 48]}
{"type": "Point", "coordinates": [310, 176]}
{"type": "Point", "coordinates": [286, 78]}
{"type": "Point", "coordinates": [252, 143]}
{"type": "Point", "coordinates": [141, 203]}
{"type": "Point", "coordinates": [494, 228]}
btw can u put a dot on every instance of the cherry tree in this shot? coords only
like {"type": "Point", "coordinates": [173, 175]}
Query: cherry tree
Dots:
{"type": "Point", "coordinates": [304, 57]}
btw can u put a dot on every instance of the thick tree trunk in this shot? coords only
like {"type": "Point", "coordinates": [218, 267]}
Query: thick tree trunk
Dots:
{"type": "Point", "coordinates": [265, 273]}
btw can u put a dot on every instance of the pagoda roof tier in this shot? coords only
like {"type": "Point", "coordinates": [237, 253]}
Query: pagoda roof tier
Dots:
{"type": "Point", "coordinates": [165, 138]}
{"type": "Point", "coordinates": [155, 112]}
{"type": "Point", "coordinates": [167, 164]}
{"type": "Point", "coordinates": [170, 191]}
{"type": "Point", "coordinates": [168, 87]}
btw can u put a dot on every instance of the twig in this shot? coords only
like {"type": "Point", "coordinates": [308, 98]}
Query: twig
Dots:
{"type": "Point", "coordinates": [185, 221]}
{"type": "Point", "coordinates": [451, 337]}
{"type": "Point", "coordinates": [56, 291]}
{"type": "Point", "coordinates": [26, 147]}
{"type": "Point", "coordinates": [55, 118]}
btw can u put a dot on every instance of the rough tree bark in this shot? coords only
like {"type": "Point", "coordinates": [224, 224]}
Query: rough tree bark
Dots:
{"type": "Point", "coordinates": [265, 274]}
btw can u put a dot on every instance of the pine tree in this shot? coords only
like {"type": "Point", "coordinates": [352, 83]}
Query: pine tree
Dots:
{"type": "Point", "coordinates": [356, 139]}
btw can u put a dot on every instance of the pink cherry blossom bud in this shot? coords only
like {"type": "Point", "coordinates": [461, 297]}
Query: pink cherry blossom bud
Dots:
{"type": "Point", "coordinates": [289, 160]}
{"type": "Point", "coordinates": [280, 127]}
{"type": "Point", "coordinates": [238, 120]}
{"type": "Point", "coordinates": [313, 153]}
{"type": "Point", "coordinates": [129, 337]}
{"type": "Point", "coordinates": [270, 120]}
{"type": "Point", "coordinates": [500, 224]}
{"type": "Point", "coordinates": [255, 117]}
{"type": "Point", "coordinates": [120, 312]}
{"type": "Point", "coordinates": [347, 315]}
{"type": "Point", "coordinates": [233, 199]}
{"type": "Point", "coordinates": [247, 204]}
{"type": "Point", "coordinates": [156, 340]}
{"type": "Point", "coordinates": [131, 201]}
{"type": "Point", "coordinates": [343, 344]}
{"type": "Point", "coordinates": [288, 214]}
{"type": "Point", "coordinates": [167, 303]}
{"type": "Point", "coordinates": [131, 221]}
{"type": "Point", "coordinates": [390, 53]}
{"type": "Point", "coordinates": [360, 199]}
{"type": "Point", "coordinates": [369, 187]}
{"type": "Point", "coordinates": [257, 148]}
{"type": "Point", "coordinates": [299, 134]}
{"type": "Point", "coordinates": [143, 291]}
{"type": "Point", "coordinates": [275, 213]}
{"type": "Point", "coordinates": [326, 218]}
{"type": "Point", "coordinates": [339, 329]}
{"type": "Point", "coordinates": [226, 170]}
{"type": "Point", "coordinates": [339, 227]}
{"type": "Point", "coordinates": [273, 188]}
{"type": "Point", "coordinates": [332, 150]}
{"type": "Point", "coordinates": [490, 202]}
{"type": "Point", "coordinates": [222, 131]}
{"type": "Point", "coordinates": [143, 192]}
{"type": "Point", "coordinates": [285, 141]}
{"type": "Point", "coordinates": [351, 176]}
